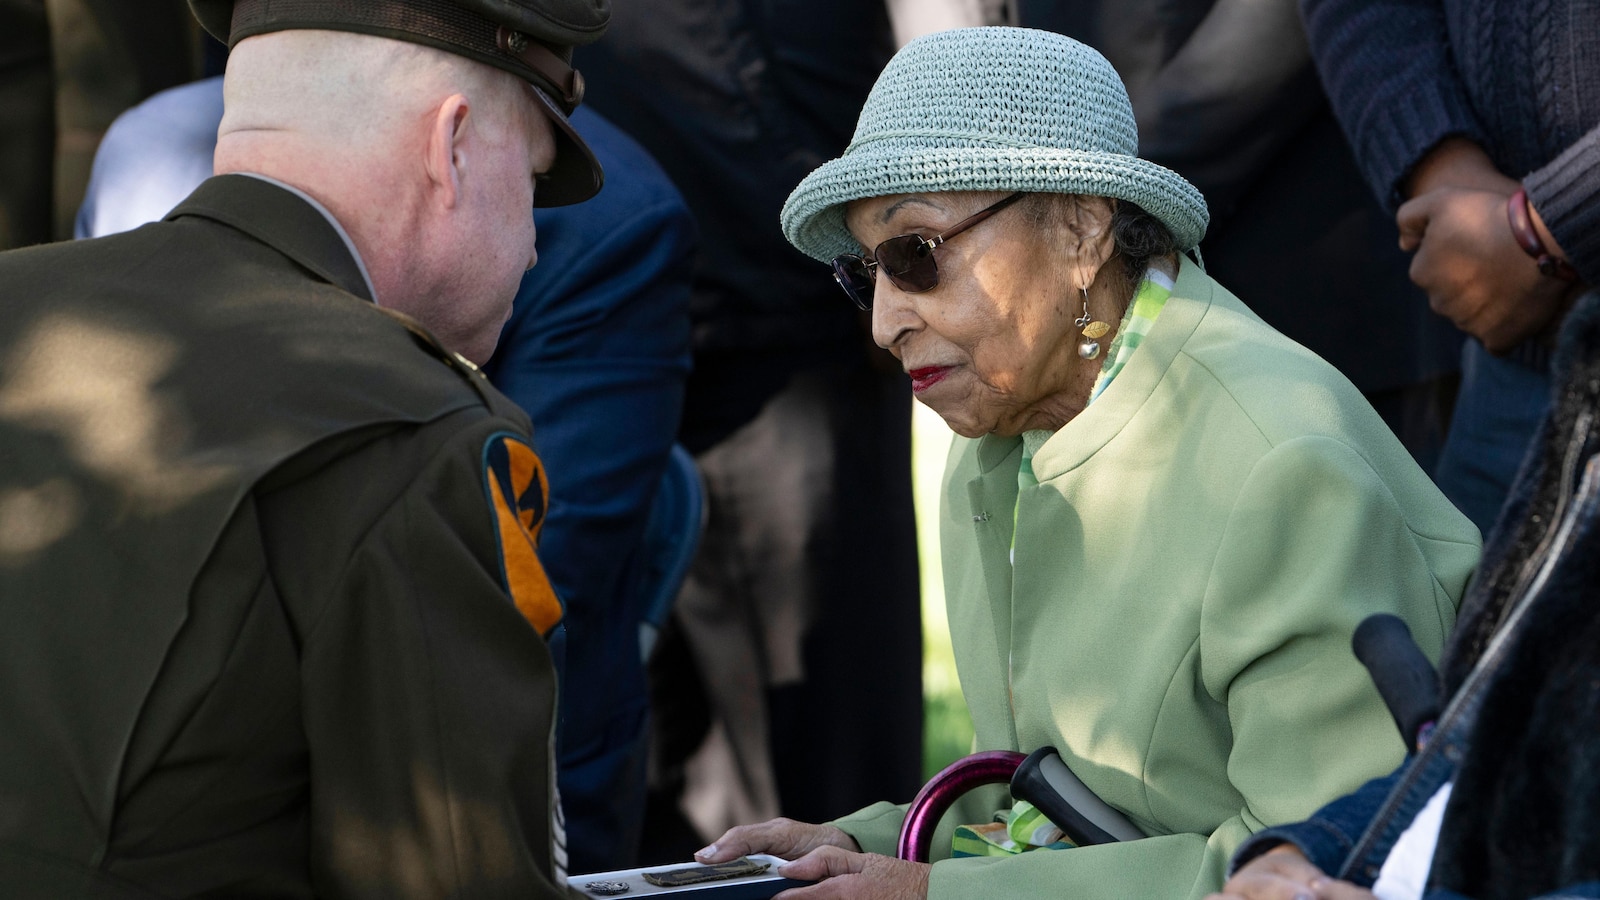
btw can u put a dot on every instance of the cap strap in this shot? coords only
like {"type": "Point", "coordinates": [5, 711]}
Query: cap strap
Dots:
{"type": "Point", "coordinates": [567, 80]}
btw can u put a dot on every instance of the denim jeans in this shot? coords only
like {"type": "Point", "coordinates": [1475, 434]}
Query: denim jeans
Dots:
{"type": "Point", "coordinates": [1501, 403]}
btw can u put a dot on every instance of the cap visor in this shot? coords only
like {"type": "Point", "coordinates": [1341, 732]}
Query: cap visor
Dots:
{"type": "Point", "coordinates": [576, 175]}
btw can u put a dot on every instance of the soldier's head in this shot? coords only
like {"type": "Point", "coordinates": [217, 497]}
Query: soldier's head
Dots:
{"type": "Point", "coordinates": [429, 128]}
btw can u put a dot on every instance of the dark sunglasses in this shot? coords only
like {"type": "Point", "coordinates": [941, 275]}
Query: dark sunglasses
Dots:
{"type": "Point", "coordinates": [907, 259]}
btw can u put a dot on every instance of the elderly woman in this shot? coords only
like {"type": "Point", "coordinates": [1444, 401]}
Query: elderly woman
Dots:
{"type": "Point", "coordinates": [1162, 520]}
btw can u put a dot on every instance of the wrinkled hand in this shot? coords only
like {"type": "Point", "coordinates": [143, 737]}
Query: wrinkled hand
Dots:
{"type": "Point", "coordinates": [859, 876]}
{"type": "Point", "coordinates": [783, 838]}
{"type": "Point", "coordinates": [1472, 269]}
{"type": "Point", "coordinates": [1283, 873]}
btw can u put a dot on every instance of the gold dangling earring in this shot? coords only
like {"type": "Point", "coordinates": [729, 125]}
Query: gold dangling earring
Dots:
{"type": "Point", "coordinates": [1093, 331]}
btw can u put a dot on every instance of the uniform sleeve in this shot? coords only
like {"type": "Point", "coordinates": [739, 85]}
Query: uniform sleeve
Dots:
{"type": "Point", "coordinates": [1388, 70]}
{"type": "Point", "coordinates": [1315, 542]}
{"type": "Point", "coordinates": [602, 327]}
{"type": "Point", "coordinates": [428, 697]}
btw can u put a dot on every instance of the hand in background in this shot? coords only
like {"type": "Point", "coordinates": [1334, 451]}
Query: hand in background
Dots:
{"type": "Point", "coordinates": [1282, 873]}
{"type": "Point", "coordinates": [783, 838]}
{"type": "Point", "coordinates": [842, 874]}
{"type": "Point", "coordinates": [1472, 269]}
{"type": "Point", "coordinates": [1467, 260]}
{"type": "Point", "coordinates": [1457, 162]}
{"type": "Point", "coordinates": [1326, 889]}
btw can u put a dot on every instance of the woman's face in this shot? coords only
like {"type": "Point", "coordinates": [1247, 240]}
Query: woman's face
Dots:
{"type": "Point", "coordinates": [992, 347]}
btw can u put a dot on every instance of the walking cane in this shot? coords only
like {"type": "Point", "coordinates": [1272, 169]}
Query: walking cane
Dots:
{"type": "Point", "coordinates": [1041, 778]}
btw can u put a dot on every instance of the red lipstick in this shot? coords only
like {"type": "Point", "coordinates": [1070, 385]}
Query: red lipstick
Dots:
{"type": "Point", "coordinates": [927, 377]}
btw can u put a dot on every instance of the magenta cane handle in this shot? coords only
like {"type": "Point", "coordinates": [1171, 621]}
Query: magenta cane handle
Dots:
{"type": "Point", "coordinates": [942, 790]}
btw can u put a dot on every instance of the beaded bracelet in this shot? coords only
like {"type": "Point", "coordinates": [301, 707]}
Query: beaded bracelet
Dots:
{"type": "Point", "coordinates": [1517, 212]}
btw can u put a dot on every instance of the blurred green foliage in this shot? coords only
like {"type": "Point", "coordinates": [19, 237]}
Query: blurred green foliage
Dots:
{"type": "Point", "coordinates": [947, 727]}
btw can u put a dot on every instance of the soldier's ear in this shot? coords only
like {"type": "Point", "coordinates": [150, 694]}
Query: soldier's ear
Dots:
{"type": "Point", "coordinates": [446, 154]}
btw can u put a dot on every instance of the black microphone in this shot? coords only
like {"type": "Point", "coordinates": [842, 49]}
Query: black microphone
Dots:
{"type": "Point", "coordinates": [1403, 676]}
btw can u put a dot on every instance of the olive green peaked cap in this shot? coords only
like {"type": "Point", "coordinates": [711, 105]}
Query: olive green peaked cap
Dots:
{"type": "Point", "coordinates": [1003, 109]}
{"type": "Point", "coordinates": [532, 39]}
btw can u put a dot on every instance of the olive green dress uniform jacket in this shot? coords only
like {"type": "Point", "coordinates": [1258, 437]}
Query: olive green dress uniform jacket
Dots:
{"type": "Point", "coordinates": [255, 631]}
{"type": "Point", "coordinates": [1202, 543]}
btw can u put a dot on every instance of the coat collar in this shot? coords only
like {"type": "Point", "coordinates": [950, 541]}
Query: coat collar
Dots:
{"type": "Point", "coordinates": [1102, 420]}
{"type": "Point", "coordinates": [991, 478]}
{"type": "Point", "coordinates": [276, 216]}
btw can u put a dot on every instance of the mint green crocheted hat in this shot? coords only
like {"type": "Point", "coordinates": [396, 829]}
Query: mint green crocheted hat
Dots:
{"type": "Point", "coordinates": [1006, 109]}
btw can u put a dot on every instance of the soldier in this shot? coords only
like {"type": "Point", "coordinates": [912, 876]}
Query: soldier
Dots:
{"type": "Point", "coordinates": [270, 609]}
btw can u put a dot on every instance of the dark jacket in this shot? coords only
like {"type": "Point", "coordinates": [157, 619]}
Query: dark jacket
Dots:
{"type": "Point", "coordinates": [739, 101]}
{"type": "Point", "coordinates": [1520, 736]}
{"type": "Point", "coordinates": [1225, 94]}
{"type": "Point", "coordinates": [256, 545]}
{"type": "Point", "coordinates": [1518, 78]}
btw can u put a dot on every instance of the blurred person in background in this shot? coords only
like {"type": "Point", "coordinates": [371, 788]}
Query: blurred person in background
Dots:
{"type": "Point", "coordinates": [67, 69]}
{"type": "Point", "coordinates": [1477, 124]}
{"type": "Point", "coordinates": [800, 426]}
{"type": "Point", "coordinates": [1162, 520]}
{"type": "Point", "coordinates": [1226, 94]}
{"type": "Point", "coordinates": [912, 19]}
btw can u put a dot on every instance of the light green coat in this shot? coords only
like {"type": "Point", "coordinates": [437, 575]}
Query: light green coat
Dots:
{"type": "Point", "coordinates": [1203, 541]}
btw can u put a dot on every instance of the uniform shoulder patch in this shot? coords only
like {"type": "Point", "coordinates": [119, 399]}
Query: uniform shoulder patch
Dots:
{"type": "Point", "coordinates": [517, 488]}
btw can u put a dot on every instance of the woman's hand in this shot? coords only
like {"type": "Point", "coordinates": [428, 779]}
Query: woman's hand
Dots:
{"type": "Point", "coordinates": [859, 876]}
{"type": "Point", "coordinates": [824, 854]}
{"type": "Point", "coordinates": [783, 838]}
{"type": "Point", "coordinates": [1283, 873]}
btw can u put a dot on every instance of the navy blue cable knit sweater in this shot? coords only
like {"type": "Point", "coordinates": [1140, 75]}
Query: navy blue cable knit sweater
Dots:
{"type": "Point", "coordinates": [1519, 77]}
